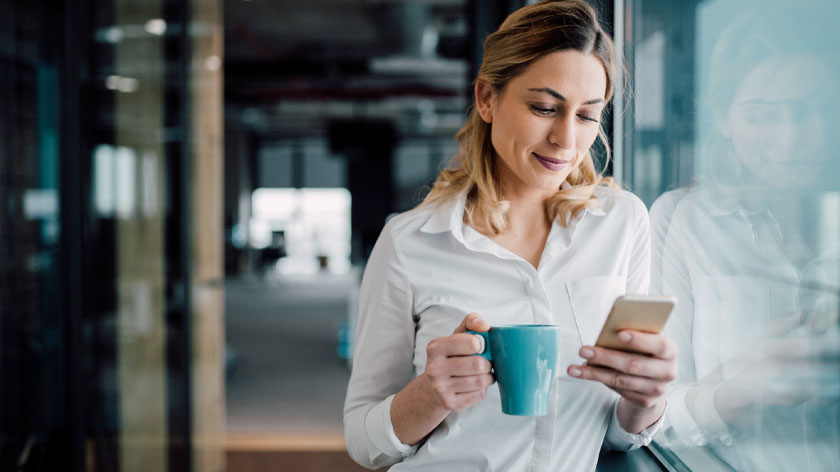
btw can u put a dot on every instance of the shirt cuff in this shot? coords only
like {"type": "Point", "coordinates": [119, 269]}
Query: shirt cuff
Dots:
{"type": "Point", "coordinates": [681, 428]}
{"type": "Point", "coordinates": [381, 430]}
{"type": "Point", "coordinates": [621, 439]}
{"type": "Point", "coordinates": [708, 417]}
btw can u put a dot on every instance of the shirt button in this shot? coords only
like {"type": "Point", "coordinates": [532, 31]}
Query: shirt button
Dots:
{"type": "Point", "coordinates": [553, 251]}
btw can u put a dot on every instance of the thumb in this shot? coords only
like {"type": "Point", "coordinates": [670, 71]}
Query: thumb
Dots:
{"type": "Point", "coordinates": [472, 322]}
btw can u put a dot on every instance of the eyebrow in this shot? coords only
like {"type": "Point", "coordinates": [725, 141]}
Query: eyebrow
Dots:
{"type": "Point", "coordinates": [561, 97]}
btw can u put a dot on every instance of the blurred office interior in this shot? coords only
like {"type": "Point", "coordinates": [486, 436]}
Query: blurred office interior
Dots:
{"type": "Point", "coordinates": [190, 190]}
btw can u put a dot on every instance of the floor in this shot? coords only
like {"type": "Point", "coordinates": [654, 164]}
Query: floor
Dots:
{"type": "Point", "coordinates": [286, 382]}
{"type": "Point", "coordinates": [289, 461]}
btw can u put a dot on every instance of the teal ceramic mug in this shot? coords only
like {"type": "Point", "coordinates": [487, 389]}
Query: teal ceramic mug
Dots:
{"type": "Point", "coordinates": [524, 360]}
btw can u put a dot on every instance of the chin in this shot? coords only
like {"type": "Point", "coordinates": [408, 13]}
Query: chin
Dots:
{"type": "Point", "coordinates": [549, 186]}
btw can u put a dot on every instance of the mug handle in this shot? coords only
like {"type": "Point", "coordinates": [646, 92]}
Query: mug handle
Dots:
{"type": "Point", "coordinates": [485, 344]}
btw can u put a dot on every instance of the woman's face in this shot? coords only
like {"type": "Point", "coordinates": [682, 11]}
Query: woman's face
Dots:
{"type": "Point", "coordinates": [777, 120]}
{"type": "Point", "coordinates": [545, 120]}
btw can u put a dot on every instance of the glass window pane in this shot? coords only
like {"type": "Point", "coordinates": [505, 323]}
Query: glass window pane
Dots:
{"type": "Point", "coordinates": [732, 145]}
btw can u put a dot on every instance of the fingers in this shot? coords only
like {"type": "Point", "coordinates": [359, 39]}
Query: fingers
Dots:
{"type": "Point", "coordinates": [463, 384]}
{"type": "Point", "coordinates": [655, 345]}
{"type": "Point", "coordinates": [458, 378]}
{"type": "Point", "coordinates": [812, 348]}
{"type": "Point", "coordinates": [640, 378]}
{"type": "Point", "coordinates": [459, 382]}
{"type": "Point", "coordinates": [629, 363]}
{"type": "Point", "coordinates": [458, 366]}
{"type": "Point", "coordinates": [472, 322]}
{"type": "Point", "coordinates": [643, 387]}
{"type": "Point", "coordinates": [459, 344]}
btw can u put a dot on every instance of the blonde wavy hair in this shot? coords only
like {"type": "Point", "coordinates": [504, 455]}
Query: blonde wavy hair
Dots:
{"type": "Point", "coordinates": [525, 36]}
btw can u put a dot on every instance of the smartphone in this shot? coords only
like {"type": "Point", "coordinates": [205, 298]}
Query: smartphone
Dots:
{"type": "Point", "coordinates": [646, 313]}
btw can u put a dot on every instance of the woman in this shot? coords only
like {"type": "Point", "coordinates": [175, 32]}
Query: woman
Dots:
{"type": "Point", "coordinates": [521, 229]}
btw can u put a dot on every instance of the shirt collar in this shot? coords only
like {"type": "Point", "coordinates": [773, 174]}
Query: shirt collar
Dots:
{"type": "Point", "coordinates": [449, 216]}
{"type": "Point", "coordinates": [597, 211]}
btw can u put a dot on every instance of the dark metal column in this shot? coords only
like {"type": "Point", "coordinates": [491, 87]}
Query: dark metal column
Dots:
{"type": "Point", "coordinates": [178, 252]}
{"type": "Point", "coordinates": [72, 218]}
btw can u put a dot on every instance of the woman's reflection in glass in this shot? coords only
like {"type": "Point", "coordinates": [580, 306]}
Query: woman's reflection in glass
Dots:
{"type": "Point", "coordinates": [750, 251]}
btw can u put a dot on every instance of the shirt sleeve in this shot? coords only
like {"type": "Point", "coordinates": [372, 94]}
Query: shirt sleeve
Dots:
{"type": "Point", "coordinates": [683, 428]}
{"type": "Point", "coordinates": [619, 439]}
{"type": "Point", "coordinates": [382, 356]}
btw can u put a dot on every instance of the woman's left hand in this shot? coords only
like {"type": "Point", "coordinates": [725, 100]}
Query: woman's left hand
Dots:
{"type": "Point", "coordinates": [641, 379]}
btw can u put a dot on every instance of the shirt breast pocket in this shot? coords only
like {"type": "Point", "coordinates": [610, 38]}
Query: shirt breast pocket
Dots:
{"type": "Point", "coordinates": [730, 311]}
{"type": "Point", "coordinates": [592, 298]}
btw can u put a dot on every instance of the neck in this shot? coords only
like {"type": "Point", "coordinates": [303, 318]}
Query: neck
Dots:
{"type": "Point", "coordinates": [527, 226]}
{"type": "Point", "coordinates": [527, 211]}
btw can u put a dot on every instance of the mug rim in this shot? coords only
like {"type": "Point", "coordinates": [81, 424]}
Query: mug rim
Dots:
{"type": "Point", "coordinates": [524, 326]}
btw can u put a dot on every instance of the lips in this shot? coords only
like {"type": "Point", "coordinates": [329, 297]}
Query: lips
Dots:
{"type": "Point", "coordinates": [551, 163]}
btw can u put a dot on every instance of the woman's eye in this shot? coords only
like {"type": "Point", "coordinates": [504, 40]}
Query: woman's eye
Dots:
{"type": "Point", "coordinates": [591, 118]}
{"type": "Point", "coordinates": [541, 110]}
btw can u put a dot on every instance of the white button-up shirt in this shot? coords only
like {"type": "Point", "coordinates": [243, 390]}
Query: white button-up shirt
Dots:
{"type": "Point", "coordinates": [428, 270]}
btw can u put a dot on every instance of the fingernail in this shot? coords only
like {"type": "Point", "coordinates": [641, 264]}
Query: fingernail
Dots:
{"type": "Point", "coordinates": [574, 372]}
{"type": "Point", "coordinates": [625, 337]}
{"type": "Point", "coordinates": [479, 344]}
{"type": "Point", "coordinates": [587, 353]}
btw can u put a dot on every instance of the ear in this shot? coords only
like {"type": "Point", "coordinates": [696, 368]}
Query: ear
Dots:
{"type": "Point", "coordinates": [484, 97]}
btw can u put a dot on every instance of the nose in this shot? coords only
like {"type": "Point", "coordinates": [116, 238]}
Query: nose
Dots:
{"type": "Point", "coordinates": [562, 133]}
{"type": "Point", "coordinates": [786, 130]}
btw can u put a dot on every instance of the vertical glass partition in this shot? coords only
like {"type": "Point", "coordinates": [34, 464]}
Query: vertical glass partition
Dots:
{"type": "Point", "coordinates": [33, 414]}
{"type": "Point", "coordinates": [732, 142]}
{"type": "Point", "coordinates": [111, 299]}
{"type": "Point", "coordinates": [137, 215]}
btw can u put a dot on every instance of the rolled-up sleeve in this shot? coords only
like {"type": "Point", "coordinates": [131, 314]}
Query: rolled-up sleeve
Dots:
{"type": "Point", "coordinates": [382, 357]}
{"type": "Point", "coordinates": [619, 439]}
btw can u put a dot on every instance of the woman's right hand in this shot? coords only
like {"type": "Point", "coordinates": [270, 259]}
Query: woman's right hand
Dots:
{"type": "Point", "coordinates": [457, 378]}
{"type": "Point", "coordinates": [454, 379]}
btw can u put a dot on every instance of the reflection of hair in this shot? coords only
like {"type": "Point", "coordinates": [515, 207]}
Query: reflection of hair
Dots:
{"type": "Point", "coordinates": [525, 36]}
